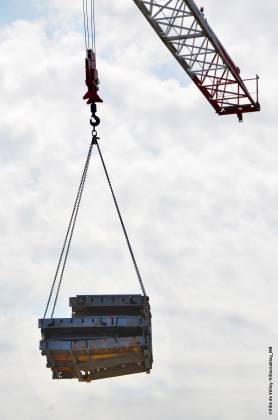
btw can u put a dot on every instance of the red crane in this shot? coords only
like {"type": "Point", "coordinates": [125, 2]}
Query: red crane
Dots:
{"type": "Point", "coordinates": [183, 28]}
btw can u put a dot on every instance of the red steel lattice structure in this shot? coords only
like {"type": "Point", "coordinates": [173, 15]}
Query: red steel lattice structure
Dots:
{"type": "Point", "coordinates": [182, 27]}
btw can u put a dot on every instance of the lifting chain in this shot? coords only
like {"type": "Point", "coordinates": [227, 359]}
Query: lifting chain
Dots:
{"type": "Point", "coordinates": [95, 139]}
{"type": "Point", "coordinates": [94, 121]}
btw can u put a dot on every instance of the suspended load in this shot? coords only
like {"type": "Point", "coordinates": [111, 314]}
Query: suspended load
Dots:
{"type": "Point", "coordinates": [107, 336]}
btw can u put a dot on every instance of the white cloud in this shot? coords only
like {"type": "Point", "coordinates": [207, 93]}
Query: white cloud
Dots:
{"type": "Point", "coordinates": [198, 193]}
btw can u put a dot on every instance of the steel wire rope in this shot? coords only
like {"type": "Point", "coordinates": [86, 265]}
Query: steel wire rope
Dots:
{"type": "Point", "coordinates": [86, 34]}
{"type": "Point", "coordinates": [91, 24]}
{"type": "Point", "coordinates": [93, 21]}
{"type": "Point", "coordinates": [87, 22]}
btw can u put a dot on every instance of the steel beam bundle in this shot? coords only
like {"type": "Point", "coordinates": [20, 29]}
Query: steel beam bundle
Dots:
{"type": "Point", "coordinates": [108, 335]}
{"type": "Point", "coordinates": [182, 27]}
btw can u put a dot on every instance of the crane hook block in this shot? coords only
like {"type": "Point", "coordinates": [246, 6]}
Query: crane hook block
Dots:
{"type": "Point", "coordinates": [92, 80]}
{"type": "Point", "coordinates": [107, 335]}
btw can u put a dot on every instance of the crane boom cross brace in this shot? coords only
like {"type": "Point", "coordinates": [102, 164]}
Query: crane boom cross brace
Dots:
{"type": "Point", "coordinates": [182, 27]}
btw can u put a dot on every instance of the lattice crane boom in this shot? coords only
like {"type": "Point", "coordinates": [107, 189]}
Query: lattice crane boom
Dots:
{"type": "Point", "coordinates": [182, 27]}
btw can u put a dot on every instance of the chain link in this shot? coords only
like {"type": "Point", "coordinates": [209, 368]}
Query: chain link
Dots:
{"type": "Point", "coordinates": [122, 223]}
{"type": "Point", "coordinates": [67, 241]}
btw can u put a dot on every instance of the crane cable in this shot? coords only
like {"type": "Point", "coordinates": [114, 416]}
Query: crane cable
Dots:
{"type": "Point", "coordinates": [89, 25]}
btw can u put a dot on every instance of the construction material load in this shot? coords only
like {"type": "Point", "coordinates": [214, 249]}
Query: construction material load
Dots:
{"type": "Point", "coordinates": [107, 336]}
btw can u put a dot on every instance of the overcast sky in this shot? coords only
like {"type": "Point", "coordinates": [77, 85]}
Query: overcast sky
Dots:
{"type": "Point", "coordinates": [198, 192]}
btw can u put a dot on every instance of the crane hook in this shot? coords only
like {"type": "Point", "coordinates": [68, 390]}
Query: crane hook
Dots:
{"type": "Point", "coordinates": [94, 120]}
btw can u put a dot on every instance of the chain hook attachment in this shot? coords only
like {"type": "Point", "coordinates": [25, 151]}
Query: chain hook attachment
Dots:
{"type": "Point", "coordinates": [95, 137]}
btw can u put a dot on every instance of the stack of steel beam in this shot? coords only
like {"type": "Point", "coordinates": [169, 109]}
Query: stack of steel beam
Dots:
{"type": "Point", "coordinates": [108, 335]}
